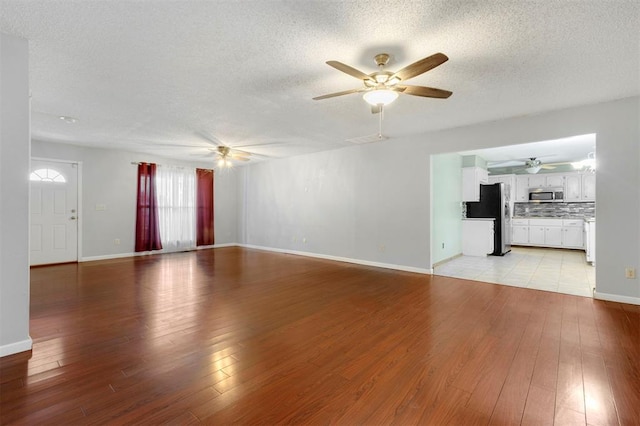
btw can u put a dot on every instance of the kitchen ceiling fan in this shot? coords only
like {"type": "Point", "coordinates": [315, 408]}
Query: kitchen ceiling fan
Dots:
{"type": "Point", "coordinates": [533, 165]}
{"type": "Point", "coordinates": [383, 87]}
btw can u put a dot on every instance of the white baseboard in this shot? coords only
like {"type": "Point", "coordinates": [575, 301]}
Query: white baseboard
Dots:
{"type": "Point", "coordinates": [342, 259]}
{"type": "Point", "coordinates": [14, 348]}
{"type": "Point", "coordinates": [617, 298]}
{"type": "Point", "coordinates": [145, 253]}
{"type": "Point", "coordinates": [217, 246]}
{"type": "Point", "coordinates": [107, 257]}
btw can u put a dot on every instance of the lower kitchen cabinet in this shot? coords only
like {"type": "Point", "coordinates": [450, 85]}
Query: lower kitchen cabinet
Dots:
{"type": "Point", "coordinates": [477, 237]}
{"type": "Point", "coordinates": [520, 234]}
{"type": "Point", "coordinates": [573, 234]}
{"type": "Point", "coordinates": [566, 233]}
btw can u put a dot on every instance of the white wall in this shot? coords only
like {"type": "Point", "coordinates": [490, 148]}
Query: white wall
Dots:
{"type": "Point", "coordinates": [352, 203]}
{"type": "Point", "coordinates": [109, 178]}
{"type": "Point", "coordinates": [355, 201]}
{"type": "Point", "coordinates": [14, 195]}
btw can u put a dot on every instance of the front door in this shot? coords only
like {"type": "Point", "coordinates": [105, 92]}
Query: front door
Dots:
{"type": "Point", "coordinates": [54, 212]}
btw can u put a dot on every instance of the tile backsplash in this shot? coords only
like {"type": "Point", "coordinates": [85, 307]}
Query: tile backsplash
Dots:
{"type": "Point", "coordinates": [569, 210]}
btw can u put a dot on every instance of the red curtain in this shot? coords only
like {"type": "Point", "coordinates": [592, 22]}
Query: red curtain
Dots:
{"type": "Point", "coordinates": [204, 207]}
{"type": "Point", "coordinates": [147, 225]}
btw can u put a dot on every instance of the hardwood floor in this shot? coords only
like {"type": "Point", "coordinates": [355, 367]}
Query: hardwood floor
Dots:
{"type": "Point", "coordinates": [243, 336]}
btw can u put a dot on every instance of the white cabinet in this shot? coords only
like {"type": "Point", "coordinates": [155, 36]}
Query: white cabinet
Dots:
{"type": "Point", "coordinates": [520, 231]}
{"type": "Point", "coordinates": [549, 180]}
{"type": "Point", "coordinates": [477, 237]}
{"type": "Point", "coordinates": [588, 187]}
{"type": "Point", "coordinates": [553, 236]}
{"type": "Point", "coordinates": [522, 188]}
{"type": "Point", "coordinates": [545, 232]}
{"type": "Point", "coordinates": [472, 177]}
{"type": "Point", "coordinates": [580, 187]}
{"type": "Point", "coordinates": [536, 235]}
{"type": "Point", "coordinates": [577, 186]}
{"type": "Point", "coordinates": [555, 181]}
{"type": "Point", "coordinates": [537, 181]}
{"type": "Point", "coordinates": [573, 233]}
{"type": "Point", "coordinates": [573, 187]}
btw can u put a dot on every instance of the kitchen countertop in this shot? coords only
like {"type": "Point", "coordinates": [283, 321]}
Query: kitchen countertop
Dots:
{"type": "Point", "coordinates": [478, 218]}
{"type": "Point", "coordinates": [586, 219]}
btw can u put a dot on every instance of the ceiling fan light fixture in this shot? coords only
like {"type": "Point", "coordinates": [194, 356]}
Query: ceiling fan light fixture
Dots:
{"type": "Point", "coordinates": [533, 169]}
{"type": "Point", "coordinates": [380, 97]}
{"type": "Point", "coordinates": [224, 162]}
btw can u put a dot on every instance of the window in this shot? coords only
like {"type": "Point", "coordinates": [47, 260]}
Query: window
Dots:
{"type": "Point", "coordinates": [47, 175]}
{"type": "Point", "coordinates": [176, 192]}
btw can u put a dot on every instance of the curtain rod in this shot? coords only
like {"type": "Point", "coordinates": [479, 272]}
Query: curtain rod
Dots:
{"type": "Point", "coordinates": [137, 163]}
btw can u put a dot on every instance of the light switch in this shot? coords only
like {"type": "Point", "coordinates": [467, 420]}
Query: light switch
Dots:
{"type": "Point", "coordinates": [101, 207]}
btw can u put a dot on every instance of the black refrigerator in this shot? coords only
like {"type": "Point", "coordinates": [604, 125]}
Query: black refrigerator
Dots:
{"type": "Point", "coordinates": [494, 204]}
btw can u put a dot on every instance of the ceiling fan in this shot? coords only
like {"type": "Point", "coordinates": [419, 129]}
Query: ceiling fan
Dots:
{"type": "Point", "coordinates": [533, 165]}
{"type": "Point", "coordinates": [225, 154]}
{"type": "Point", "coordinates": [383, 87]}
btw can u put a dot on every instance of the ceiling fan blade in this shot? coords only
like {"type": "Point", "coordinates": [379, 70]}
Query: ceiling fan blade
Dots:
{"type": "Point", "coordinates": [349, 70]}
{"type": "Point", "coordinates": [209, 138]}
{"type": "Point", "coordinates": [427, 92]}
{"type": "Point", "coordinates": [421, 66]}
{"type": "Point", "coordinates": [238, 153]}
{"type": "Point", "coordinates": [561, 163]}
{"type": "Point", "coordinates": [331, 95]}
{"type": "Point", "coordinates": [259, 144]}
{"type": "Point", "coordinates": [548, 167]}
{"type": "Point", "coordinates": [239, 158]}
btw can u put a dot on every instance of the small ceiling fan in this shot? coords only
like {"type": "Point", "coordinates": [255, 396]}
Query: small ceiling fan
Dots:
{"type": "Point", "coordinates": [383, 87]}
{"type": "Point", "coordinates": [224, 153]}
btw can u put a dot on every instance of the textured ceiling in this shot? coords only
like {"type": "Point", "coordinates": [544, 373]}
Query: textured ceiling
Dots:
{"type": "Point", "coordinates": [152, 75]}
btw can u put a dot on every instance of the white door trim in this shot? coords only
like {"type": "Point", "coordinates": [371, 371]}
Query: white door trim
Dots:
{"type": "Point", "coordinates": [79, 207]}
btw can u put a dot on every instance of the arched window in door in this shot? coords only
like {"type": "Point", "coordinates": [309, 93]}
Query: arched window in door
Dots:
{"type": "Point", "coordinates": [47, 175]}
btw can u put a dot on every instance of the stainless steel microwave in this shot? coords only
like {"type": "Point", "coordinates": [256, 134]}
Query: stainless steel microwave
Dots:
{"type": "Point", "coordinates": [546, 195]}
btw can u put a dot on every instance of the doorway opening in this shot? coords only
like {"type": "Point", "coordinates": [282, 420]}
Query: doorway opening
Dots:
{"type": "Point", "coordinates": [564, 261]}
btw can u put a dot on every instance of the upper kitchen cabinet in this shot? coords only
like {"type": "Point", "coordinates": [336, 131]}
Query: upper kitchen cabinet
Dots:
{"type": "Point", "coordinates": [522, 188]}
{"type": "Point", "coordinates": [580, 187]}
{"type": "Point", "coordinates": [536, 181]}
{"type": "Point", "coordinates": [573, 187]}
{"type": "Point", "coordinates": [472, 178]}
{"type": "Point", "coordinates": [554, 180]}
{"type": "Point", "coordinates": [588, 187]}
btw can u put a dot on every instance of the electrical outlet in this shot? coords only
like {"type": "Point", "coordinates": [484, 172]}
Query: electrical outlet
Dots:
{"type": "Point", "coordinates": [381, 247]}
{"type": "Point", "coordinates": [116, 241]}
{"type": "Point", "coordinates": [630, 273]}
{"type": "Point", "coordinates": [304, 240]}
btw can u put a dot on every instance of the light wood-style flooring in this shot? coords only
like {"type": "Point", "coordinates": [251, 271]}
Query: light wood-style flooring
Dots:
{"type": "Point", "coordinates": [234, 335]}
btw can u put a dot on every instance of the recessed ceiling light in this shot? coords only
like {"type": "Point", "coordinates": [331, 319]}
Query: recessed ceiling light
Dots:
{"type": "Point", "coordinates": [69, 120]}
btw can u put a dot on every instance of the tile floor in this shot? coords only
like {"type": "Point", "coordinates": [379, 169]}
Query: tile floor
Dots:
{"type": "Point", "coordinates": [558, 270]}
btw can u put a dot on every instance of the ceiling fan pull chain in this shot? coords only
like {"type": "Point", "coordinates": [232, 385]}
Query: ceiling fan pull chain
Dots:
{"type": "Point", "coordinates": [380, 121]}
